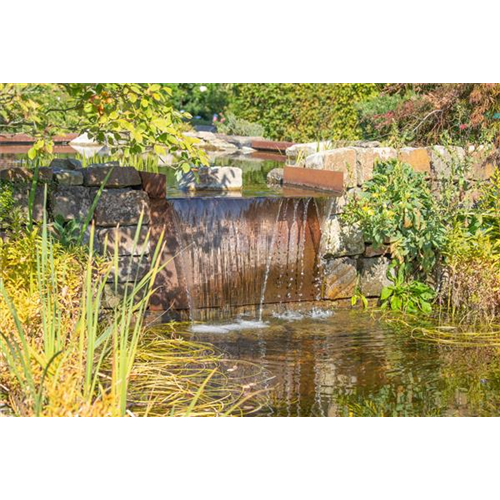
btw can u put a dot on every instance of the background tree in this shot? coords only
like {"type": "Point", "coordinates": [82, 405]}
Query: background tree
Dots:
{"type": "Point", "coordinates": [130, 118]}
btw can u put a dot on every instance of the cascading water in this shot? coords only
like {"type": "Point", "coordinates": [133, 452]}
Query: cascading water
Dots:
{"type": "Point", "coordinates": [227, 252]}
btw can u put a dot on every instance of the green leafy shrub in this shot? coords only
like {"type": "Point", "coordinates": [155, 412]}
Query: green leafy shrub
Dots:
{"type": "Point", "coordinates": [408, 296]}
{"type": "Point", "coordinates": [302, 111]}
{"type": "Point", "coordinates": [238, 126]}
{"type": "Point", "coordinates": [397, 207]}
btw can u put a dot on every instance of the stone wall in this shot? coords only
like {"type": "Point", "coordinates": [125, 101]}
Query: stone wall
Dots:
{"type": "Point", "coordinates": [349, 261]}
{"type": "Point", "coordinates": [125, 199]}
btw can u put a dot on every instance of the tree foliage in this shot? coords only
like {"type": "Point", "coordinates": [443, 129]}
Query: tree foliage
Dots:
{"type": "Point", "coordinates": [129, 118]}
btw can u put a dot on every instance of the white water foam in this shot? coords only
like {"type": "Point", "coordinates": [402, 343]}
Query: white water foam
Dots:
{"type": "Point", "coordinates": [240, 324]}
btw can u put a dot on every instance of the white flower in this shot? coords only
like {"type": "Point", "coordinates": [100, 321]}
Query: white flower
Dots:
{"type": "Point", "coordinates": [203, 88]}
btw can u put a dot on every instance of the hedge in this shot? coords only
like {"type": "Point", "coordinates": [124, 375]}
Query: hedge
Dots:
{"type": "Point", "coordinates": [303, 111]}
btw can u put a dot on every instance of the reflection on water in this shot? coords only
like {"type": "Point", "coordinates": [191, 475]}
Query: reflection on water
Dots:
{"type": "Point", "coordinates": [351, 363]}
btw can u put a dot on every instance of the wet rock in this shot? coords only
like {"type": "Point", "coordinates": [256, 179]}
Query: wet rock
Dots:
{"type": "Point", "coordinates": [339, 240]}
{"type": "Point", "coordinates": [373, 275]}
{"type": "Point", "coordinates": [68, 177]}
{"type": "Point", "coordinates": [275, 176]}
{"type": "Point", "coordinates": [340, 278]}
{"type": "Point", "coordinates": [124, 237]}
{"type": "Point", "coordinates": [121, 206]}
{"type": "Point", "coordinates": [120, 177]}
{"type": "Point", "coordinates": [71, 202]}
{"type": "Point", "coordinates": [213, 179]}
{"type": "Point", "coordinates": [65, 163]}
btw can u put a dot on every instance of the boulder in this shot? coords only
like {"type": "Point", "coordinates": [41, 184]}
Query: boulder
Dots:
{"type": "Point", "coordinates": [367, 157]}
{"type": "Point", "coordinates": [130, 269]}
{"type": "Point", "coordinates": [213, 179]}
{"type": "Point", "coordinates": [373, 275]}
{"type": "Point", "coordinates": [68, 177]}
{"type": "Point", "coordinates": [21, 196]}
{"type": "Point", "coordinates": [444, 159]}
{"type": "Point", "coordinates": [65, 163]}
{"type": "Point", "coordinates": [25, 175]}
{"type": "Point", "coordinates": [339, 240]}
{"type": "Point", "coordinates": [418, 158]}
{"type": "Point", "coordinates": [275, 176]}
{"type": "Point", "coordinates": [120, 177]}
{"type": "Point", "coordinates": [71, 202]}
{"type": "Point", "coordinates": [121, 206]}
{"type": "Point", "coordinates": [115, 292]}
{"type": "Point", "coordinates": [340, 278]}
{"type": "Point", "coordinates": [342, 160]}
{"type": "Point", "coordinates": [124, 237]}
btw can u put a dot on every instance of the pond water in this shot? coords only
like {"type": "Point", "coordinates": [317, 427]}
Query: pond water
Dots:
{"type": "Point", "coordinates": [353, 363]}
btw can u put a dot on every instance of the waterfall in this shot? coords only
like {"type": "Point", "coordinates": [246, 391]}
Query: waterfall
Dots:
{"type": "Point", "coordinates": [226, 253]}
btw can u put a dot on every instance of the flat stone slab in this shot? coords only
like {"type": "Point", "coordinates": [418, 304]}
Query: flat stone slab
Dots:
{"type": "Point", "coordinates": [21, 174]}
{"type": "Point", "coordinates": [124, 237]}
{"type": "Point", "coordinates": [66, 163]}
{"type": "Point", "coordinates": [213, 179]}
{"type": "Point", "coordinates": [121, 206]}
{"type": "Point", "coordinates": [120, 177]}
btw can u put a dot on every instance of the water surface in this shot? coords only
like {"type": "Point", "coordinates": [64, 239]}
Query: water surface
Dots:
{"type": "Point", "coordinates": [346, 363]}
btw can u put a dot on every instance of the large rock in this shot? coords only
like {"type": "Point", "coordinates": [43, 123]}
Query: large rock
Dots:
{"type": "Point", "coordinates": [71, 202]}
{"type": "Point", "coordinates": [120, 177]}
{"type": "Point", "coordinates": [275, 177]}
{"type": "Point", "coordinates": [296, 155]}
{"type": "Point", "coordinates": [485, 160]}
{"type": "Point", "coordinates": [213, 179]}
{"type": "Point", "coordinates": [366, 158]}
{"type": "Point", "coordinates": [114, 294]}
{"type": "Point", "coordinates": [65, 163]}
{"type": "Point", "coordinates": [25, 175]}
{"type": "Point", "coordinates": [373, 275]}
{"type": "Point", "coordinates": [130, 269]}
{"type": "Point", "coordinates": [339, 240]}
{"type": "Point", "coordinates": [340, 278]}
{"type": "Point", "coordinates": [445, 160]}
{"type": "Point", "coordinates": [418, 158]}
{"type": "Point", "coordinates": [68, 177]}
{"type": "Point", "coordinates": [124, 237]}
{"type": "Point", "coordinates": [342, 160]}
{"type": "Point", "coordinates": [121, 206]}
{"type": "Point", "coordinates": [21, 196]}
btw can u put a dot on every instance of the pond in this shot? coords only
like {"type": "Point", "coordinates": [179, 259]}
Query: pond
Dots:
{"type": "Point", "coordinates": [353, 363]}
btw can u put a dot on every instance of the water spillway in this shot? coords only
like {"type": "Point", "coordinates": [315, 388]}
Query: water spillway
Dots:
{"type": "Point", "coordinates": [228, 252]}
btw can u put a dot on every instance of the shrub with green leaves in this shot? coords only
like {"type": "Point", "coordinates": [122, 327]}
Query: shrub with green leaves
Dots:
{"type": "Point", "coordinates": [411, 296]}
{"type": "Point", "coordinates": [238, 126]}
{"type": "Point", "coordinates": [303, 111]}
{"type": "Point", "coordinates": [397, 207]}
